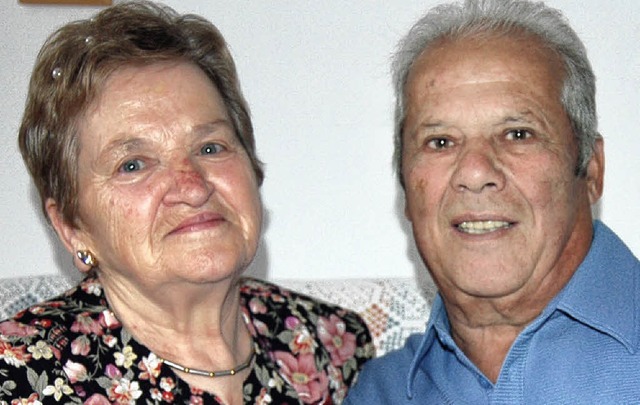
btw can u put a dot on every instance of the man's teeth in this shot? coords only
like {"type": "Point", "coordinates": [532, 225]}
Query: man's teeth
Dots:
{"type": "Point", "coordinates": [479, 227]}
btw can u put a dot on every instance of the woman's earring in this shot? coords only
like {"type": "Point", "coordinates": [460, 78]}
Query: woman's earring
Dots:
{"type": "Point", "coordinates": [87, 258]}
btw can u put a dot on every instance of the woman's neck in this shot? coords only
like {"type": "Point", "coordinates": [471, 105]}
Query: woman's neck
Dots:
{"type": "Point", "coordinates": [195, 325]}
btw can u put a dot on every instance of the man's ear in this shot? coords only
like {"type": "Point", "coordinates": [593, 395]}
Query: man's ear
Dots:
{"type": "Point", "coordinates": [407, 211]}
{"type": "Point", "coordinates": [69, 234]}
{"type": "Point", "coordinates": [595, 172]}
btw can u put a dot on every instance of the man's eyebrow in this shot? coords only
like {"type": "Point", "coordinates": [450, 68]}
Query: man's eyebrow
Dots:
{"type": "Point", "coordinates": [521, 116]}
{"type": "Point", "coordinates": [428, 126]}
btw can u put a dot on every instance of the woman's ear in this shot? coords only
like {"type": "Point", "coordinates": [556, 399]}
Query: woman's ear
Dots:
{"type": "Point", "coordinates": [66, 232]}
{"type": "Point", "coordinates": [69, 234]}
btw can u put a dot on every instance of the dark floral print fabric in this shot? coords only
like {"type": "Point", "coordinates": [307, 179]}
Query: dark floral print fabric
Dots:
{"type": "Point", "coordinates": [73, 350]}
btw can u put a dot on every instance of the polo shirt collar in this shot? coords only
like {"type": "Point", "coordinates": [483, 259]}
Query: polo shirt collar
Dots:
{"type": "Point", "coordinates": [597, 294]}
{"type": "Point", "coordinates": [438, 316]}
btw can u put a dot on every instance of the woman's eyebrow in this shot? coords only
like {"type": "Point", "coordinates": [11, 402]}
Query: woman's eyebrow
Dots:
{"type": "Point", "coordinates": [124, 144]}
{"type": "Point", "coordinates": [209, 127]}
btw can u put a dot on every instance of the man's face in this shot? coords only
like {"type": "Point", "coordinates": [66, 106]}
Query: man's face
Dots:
{"type": "Point", "coordinates": [489, 165]}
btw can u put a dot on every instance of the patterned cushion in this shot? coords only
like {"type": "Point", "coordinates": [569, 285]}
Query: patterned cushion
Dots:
{"type": "Point", "coordinates": [393, 308]}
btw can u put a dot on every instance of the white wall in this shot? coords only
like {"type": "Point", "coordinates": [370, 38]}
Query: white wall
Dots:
{"type": "Point", "coordinates": [316, 77]}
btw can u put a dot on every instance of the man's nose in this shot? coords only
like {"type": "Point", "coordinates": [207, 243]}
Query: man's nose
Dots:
{"type": "Point", "coordinates": [478, 168]}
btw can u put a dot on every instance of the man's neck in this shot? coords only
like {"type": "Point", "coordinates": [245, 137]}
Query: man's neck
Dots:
{"type": "Point", "coordinates": [485, 328]}
{"type": "Point", "coordinates": [486, 347]}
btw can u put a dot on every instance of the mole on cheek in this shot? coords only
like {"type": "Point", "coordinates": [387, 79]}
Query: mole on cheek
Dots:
{"type": "Point", "coordinates": [158, 88]}
{"type": "Point", "coordinates": [418, 189]}
{"type": "Point", "coordinates": [420, 185]}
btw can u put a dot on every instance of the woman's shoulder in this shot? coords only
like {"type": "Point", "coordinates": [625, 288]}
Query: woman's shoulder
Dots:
{"type": "Point", "coordinates": [325, 342]}
{"type": "Point", "coordinates": [37, 344]}
{"type": "Point", "coordinates": [44, 315]}
{"type": "Point", "coordinates": [85, 300]}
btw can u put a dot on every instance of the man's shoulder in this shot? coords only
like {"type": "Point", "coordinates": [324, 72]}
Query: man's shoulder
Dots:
{"type": "Point", "coordinates": [391, 366]}
{"type": "Point", "coordinates": [384, 379]}
{"type": "Point", "coordinates": [607, 248]}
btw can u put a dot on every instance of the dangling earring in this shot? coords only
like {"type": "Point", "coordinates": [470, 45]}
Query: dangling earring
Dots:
{"type": "Point", "coordinates": [87, 258]}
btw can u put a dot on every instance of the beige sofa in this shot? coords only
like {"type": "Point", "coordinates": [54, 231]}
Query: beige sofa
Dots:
{"type": "Point", "coordinates": [393, 308]}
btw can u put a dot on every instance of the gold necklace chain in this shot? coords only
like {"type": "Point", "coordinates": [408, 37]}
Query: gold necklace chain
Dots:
{"type": "Point", "coordinates": [205, 373]}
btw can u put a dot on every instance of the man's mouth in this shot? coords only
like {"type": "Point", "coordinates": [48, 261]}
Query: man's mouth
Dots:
{"type": "Point", "coordinates": [482, 227]}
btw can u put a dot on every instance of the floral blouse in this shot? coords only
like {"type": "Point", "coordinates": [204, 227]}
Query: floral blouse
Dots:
{"type": "Point", "coordinates": [73, 350]}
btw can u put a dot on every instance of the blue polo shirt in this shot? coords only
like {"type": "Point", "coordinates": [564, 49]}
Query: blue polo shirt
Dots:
{"type": "Point", "coordinates": [582, 349]}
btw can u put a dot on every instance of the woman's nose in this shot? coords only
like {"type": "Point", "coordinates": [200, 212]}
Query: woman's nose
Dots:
{"type": "Point", "coordinates": [188, 184]}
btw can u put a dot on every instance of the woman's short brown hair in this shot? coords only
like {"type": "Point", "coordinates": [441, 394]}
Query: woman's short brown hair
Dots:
{"type": "Point", "coordinates": [75, 62]}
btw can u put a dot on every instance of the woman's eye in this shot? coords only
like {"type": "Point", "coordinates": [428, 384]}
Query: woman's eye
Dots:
{"type": "Point", "coordinates": [439, 143]}
{"type": "Point", "coordinates": [518, 135]}
{"type": "Point", "coordinates": [132, 165]}
{"type": "Point", "coordinates": [211, 149]}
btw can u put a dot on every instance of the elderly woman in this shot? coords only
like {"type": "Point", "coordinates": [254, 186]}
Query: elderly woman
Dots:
{"type": "Point", "coordinates": [141, 146]}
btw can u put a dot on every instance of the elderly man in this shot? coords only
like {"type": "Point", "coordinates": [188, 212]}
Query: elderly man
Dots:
{"type": "Point", "coordinates": [499, 155]}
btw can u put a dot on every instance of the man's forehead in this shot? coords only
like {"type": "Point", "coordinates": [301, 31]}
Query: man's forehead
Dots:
{"type": "Point", "coordinates": [469, 60]}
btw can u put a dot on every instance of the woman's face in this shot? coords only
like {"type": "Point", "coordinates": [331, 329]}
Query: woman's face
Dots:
{"type": "Point", "coordinates": [166, 191]}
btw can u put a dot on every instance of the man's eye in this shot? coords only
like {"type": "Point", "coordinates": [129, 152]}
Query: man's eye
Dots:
{"type": "Point", "coordinates": [211, 149]}
{"type": "Point", "coordinates": [439, 143]}
{"type": "Point", "coordinates": [132, 165]}
{"type": "Point", "coordinates": [518, 135]}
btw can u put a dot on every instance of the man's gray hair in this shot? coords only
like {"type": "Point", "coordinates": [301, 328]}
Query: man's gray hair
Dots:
{"type": "Point", "coordinates": [503, 17]}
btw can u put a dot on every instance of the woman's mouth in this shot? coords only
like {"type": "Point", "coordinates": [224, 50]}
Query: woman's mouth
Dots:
{"type": "Point", "coordinates": [198, 223]}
